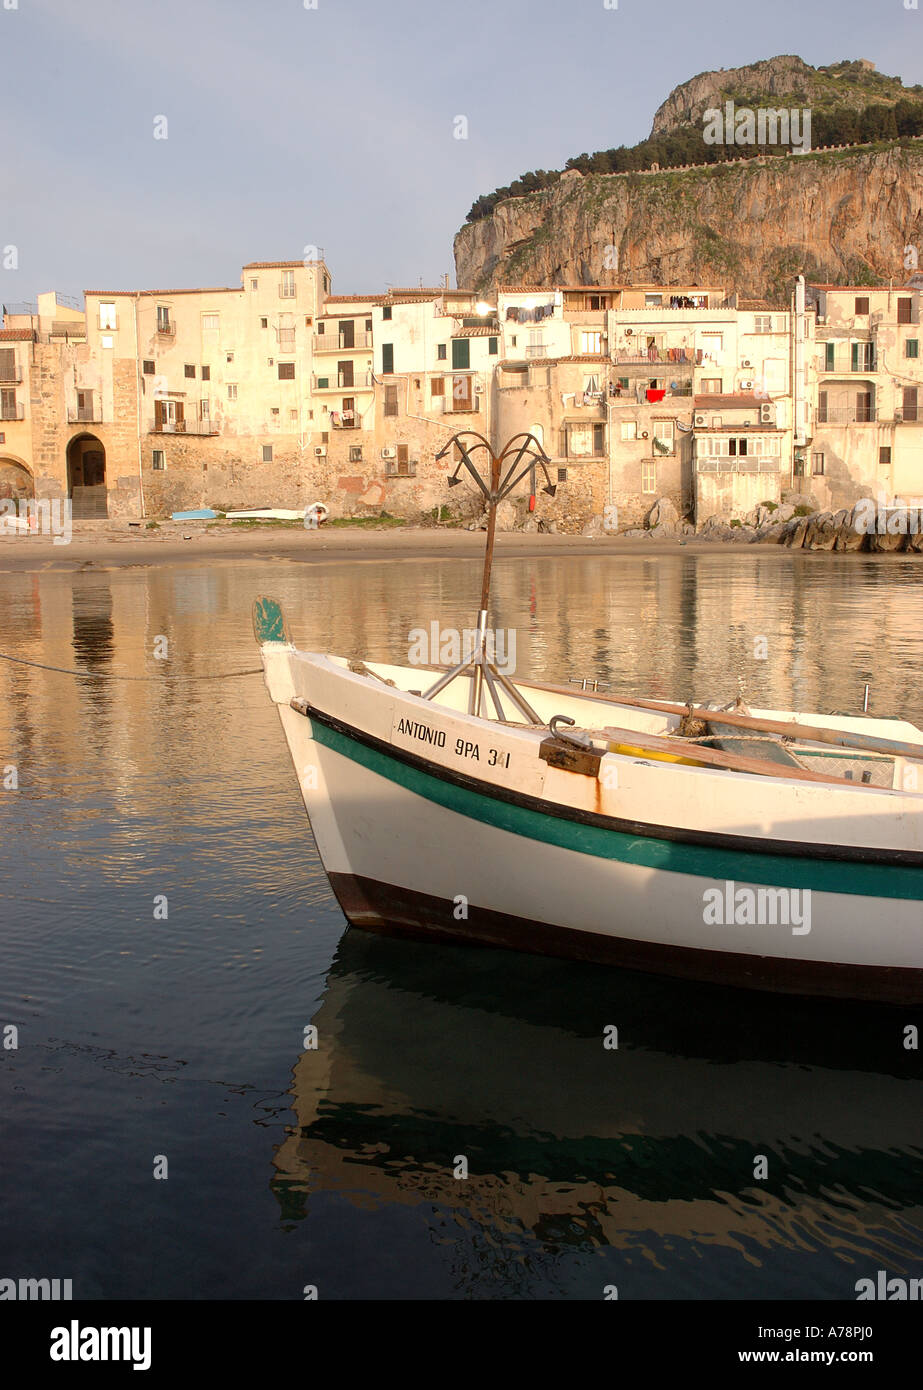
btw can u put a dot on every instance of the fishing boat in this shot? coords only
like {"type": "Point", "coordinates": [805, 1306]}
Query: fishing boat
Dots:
{"type": "Point", "coordinates": [771, 849]}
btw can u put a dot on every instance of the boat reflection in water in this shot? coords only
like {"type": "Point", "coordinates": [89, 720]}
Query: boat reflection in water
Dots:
{"type": "Point", "coordinates": [587, 1164]}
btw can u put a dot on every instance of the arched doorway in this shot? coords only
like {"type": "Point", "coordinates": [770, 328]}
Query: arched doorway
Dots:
{"type": "Point", "coordinates": [16, 481]}
{"type": "Point", "coordinates": [86, 478]}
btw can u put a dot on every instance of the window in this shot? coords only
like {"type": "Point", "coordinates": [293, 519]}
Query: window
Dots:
{"type": "Point", "coordinates": [368, 325]}
{"type": "Point", "coordinates": [461, 353]}
{"type": "Point", "coordinates": [326, 284]}
{"type": "Point", "coordinates": [390, 400]}
{"type": "Point", "coordinates": [355, 453]}
{"type": "Point", "coordinates": [275, 410]}
{"type": "Point", "coordinates": [711, 385]}
{"type": "Point", "coordinates": [404, 465]}
{"type": "Point", "coordinates": [442, 351]}
{"type": "Point", "coordinates": [884, 455]}
{"type": "Point", "coordinates": [905, 311]}
{"type": "Point", "coordinates": [562, 475]}
{"type": "Point", "coordinates": [581, 441]}
{"type": "Point", "coordinates": [163, 319]}
{"type": "Point", "coordinates": [648, 476]}
{"type": "Point", "coordinates": [232, 391]}
{"type": "Point", "coordinates": [599, 441]}
{"type": "Point", "coordinates": [293, 414]}
{"type": "Point", "coordinates": [206, 373]}
{"type": "Point", "coordinates": [762, 323]}
{"type": "Point", "coordinates": [653, 300]}
{"type": "Point", "coordinates": [229, 357]}
{"type": "Point", "coordinates": [590, 342]}
{"type": "Point", "coordinates": [325, 436]}
{"type": "Point", "coordinates": [463, 393]}
{"type": "Point", "coordinates": [106, 340]}
{"type": "Point", "coordinates": [437, 386]}
{"type": "Point", "coordinates": [829, 357]}
{"type": "Point", "coordinates": [664, 436]}
{"type": "Point", "coordinates": [910, 407]}
{"type": "Point", "coordinates": [492, 347]}
{"type": "Point", "coordinates": [107, 317]}
{"type": "Point", "coordinates": [386, 311]}
{"type": "Point", "coordinates": [287, 287]}
{"type": "Point", "coordinates": [254, 284]}
{"type": "Point", "coordinates": [189, 369]}
{"type": "Point", "coordinates": [862, 304]}
{"type": "Point", "coordinates": [267, 453]}
{"type": "Point", "coordinates": [287, 339]}
{"type": "Point", "coordinates": [286, 371]}
{"type": "Point", "coordinates": [817, 464]}
{"type": "Point", "coordinates": [210, 323]}
{"type": "Point", "coordinates": [264, 323]}
{"type": "Point", "coordinates": [912, 347]}
{"type": "Point", "coordinates": [863, 357]}
{"type": "Point", "coordinates": [629, 429]}
{"type": "Point", "coordinates": [597, 301]}
{"type": "Point", "coordinates": [321, 328]}
{"type": "Point", "coordinates": [387, 358]}
{"type": "Point", "coordinates": [322, 383]}
{"type": "Point", "coordinates": [514, 340]}
{"type": "Point", "coordinates": [158, 461]}
{"type": "Point", "coordinates": [591, 385]}
{"type": "Point", "coordinates": [148, 367]}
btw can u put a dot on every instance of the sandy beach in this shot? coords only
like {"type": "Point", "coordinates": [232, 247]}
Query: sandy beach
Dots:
{"type": "Point", "coordinates": [112, 547]}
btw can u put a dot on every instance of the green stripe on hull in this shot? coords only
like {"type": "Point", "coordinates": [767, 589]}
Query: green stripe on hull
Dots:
{"type": "Point", "coordinates": [704, 861]}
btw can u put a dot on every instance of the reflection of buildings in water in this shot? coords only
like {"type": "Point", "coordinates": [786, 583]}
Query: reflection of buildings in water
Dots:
{"type": "Point", "coordinates": [422, 1056]}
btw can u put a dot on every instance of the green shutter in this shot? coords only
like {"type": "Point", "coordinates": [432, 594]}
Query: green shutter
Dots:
{"type": "Point", "coordinates": [855, 357]}
{"type": "Point", "coordinates": [461, 353]}
{"type": "Point", "coordinates": [912, 347]}
{"type": "Point", "coordinates": [830, 361]}
{"type": "Point", "coordinates": [322, 383]}
{"type": "Point", "coordinates": [491, 346]}
{"type": "Point", "coordinates": [387, 357]}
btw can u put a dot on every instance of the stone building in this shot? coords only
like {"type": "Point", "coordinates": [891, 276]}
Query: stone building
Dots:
{"type": "Point", "coordinates": [276, 392]}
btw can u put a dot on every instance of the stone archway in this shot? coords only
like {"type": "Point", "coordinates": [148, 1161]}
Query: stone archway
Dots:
{"type": "Point", "coordinates": [86, 478]}
{"type": "Point", "coordinates": [16, 481]}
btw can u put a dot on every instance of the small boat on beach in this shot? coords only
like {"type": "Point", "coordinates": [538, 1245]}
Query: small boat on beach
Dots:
{"type": "Point", "coordinates": [772, 849]}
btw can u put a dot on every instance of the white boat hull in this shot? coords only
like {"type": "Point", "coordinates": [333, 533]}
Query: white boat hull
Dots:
{"type": "Point", "coordinates": [431, 822]}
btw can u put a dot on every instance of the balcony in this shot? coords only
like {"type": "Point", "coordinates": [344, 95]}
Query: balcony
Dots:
{"type": "Point", "coordinates": [287, 290]}
{"type": "Point", "coordinates": [724, 464]}
{"type": "Point", "coordinates": [166, 328]}
{"type": "Point", "coordinates": [85, 414]}
{"type": "Point", "coordinates": [13, 411]}
{"type": "Point", "coordinates": [345, 420]}
{"type": "Point", "coordinates": [909, 415]}
{"type": "Point", "coordinates": [343, 381]}
{"type": "Point", "coordinates": [660, 356]}
{"type": "Point", "coordinates": [197, 427]}
{"type": "Point", "coordinates": [842, 365]}
{"type": "Point", "coordinates": [405, 469]}
{"type": "Point", "coordinates": [331, 342]}
{"type": "Point", "coordinates": [10, 376]}
{"type": "Point", "coordinates": [846, 415]}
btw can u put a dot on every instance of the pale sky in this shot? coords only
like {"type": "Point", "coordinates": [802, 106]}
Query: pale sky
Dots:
{"type": "Point", "coordinates": [333, 126]}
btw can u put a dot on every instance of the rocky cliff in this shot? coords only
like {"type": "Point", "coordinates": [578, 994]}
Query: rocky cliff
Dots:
{"type": "Point", "coordinates": [841, 216]}
{"type": "Point", "coordinates": [782, 81]}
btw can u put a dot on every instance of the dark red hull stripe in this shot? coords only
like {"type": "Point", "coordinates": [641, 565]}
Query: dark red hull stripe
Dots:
{"type": "Point", "coordinates": [386, 908]}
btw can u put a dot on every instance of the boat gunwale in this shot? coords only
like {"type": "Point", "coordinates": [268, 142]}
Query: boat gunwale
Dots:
{"type": "Point", "coordinates": [706, 839]}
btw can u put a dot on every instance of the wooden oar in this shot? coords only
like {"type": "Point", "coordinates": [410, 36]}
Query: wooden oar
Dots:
{"type": "Point", "coordinates": [712, 757]}
{"type": "Point", "coordinates": [807, 733]}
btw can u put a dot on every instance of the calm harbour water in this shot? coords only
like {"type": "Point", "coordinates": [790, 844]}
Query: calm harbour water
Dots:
{"type": "Point", "coordinates": [142, 1037]}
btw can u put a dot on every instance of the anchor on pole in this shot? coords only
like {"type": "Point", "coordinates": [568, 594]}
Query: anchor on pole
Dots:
{"type": "Point", "coordinates": [520, 456]}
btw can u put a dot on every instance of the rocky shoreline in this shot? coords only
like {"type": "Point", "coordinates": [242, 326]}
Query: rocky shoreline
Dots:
{"type": "Point", "coordinates": [795, 522]}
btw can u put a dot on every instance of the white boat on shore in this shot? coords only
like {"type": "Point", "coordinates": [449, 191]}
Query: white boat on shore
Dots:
{"type": "Point", "coordinates": [770, 849]}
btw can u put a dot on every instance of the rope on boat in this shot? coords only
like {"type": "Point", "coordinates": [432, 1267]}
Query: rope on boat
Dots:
{"type": "Point", "coordinates": [116, 676]}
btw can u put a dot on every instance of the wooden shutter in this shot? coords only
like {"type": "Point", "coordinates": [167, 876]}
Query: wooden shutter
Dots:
{"type": "Point", "coordinates": [910, 403]}
{"type": "Point", "coordinates": [158, 415]}
{"type": "Point", "coordinates": [904, 309]}
{"type": "Point", "coordinates": [7, 364]}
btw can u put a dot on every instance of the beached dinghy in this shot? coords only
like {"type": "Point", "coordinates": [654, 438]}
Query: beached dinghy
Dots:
{"type": "Point", "coordinates": [607, 829]}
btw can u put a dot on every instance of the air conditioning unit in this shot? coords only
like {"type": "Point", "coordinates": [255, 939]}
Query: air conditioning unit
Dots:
{"type": "Point", "coordinates": [765, 414]}
{"type": "Point", "coordinates": [629, 332]}
{"type": "Point", "coordinates": [644, 434]}
{"type": "Point", "coordinates": [699, 420]}
{"type": "Point", "coordinates": [746, 362]}
{"type": "Point", "coordinates": [320, 451]}
{"type": "Point", "coordinates": [746, 385]}
{"type": "Point", "coordinates": [389, 453]}
{"type": "Point", "coordinates": [478, 390]}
